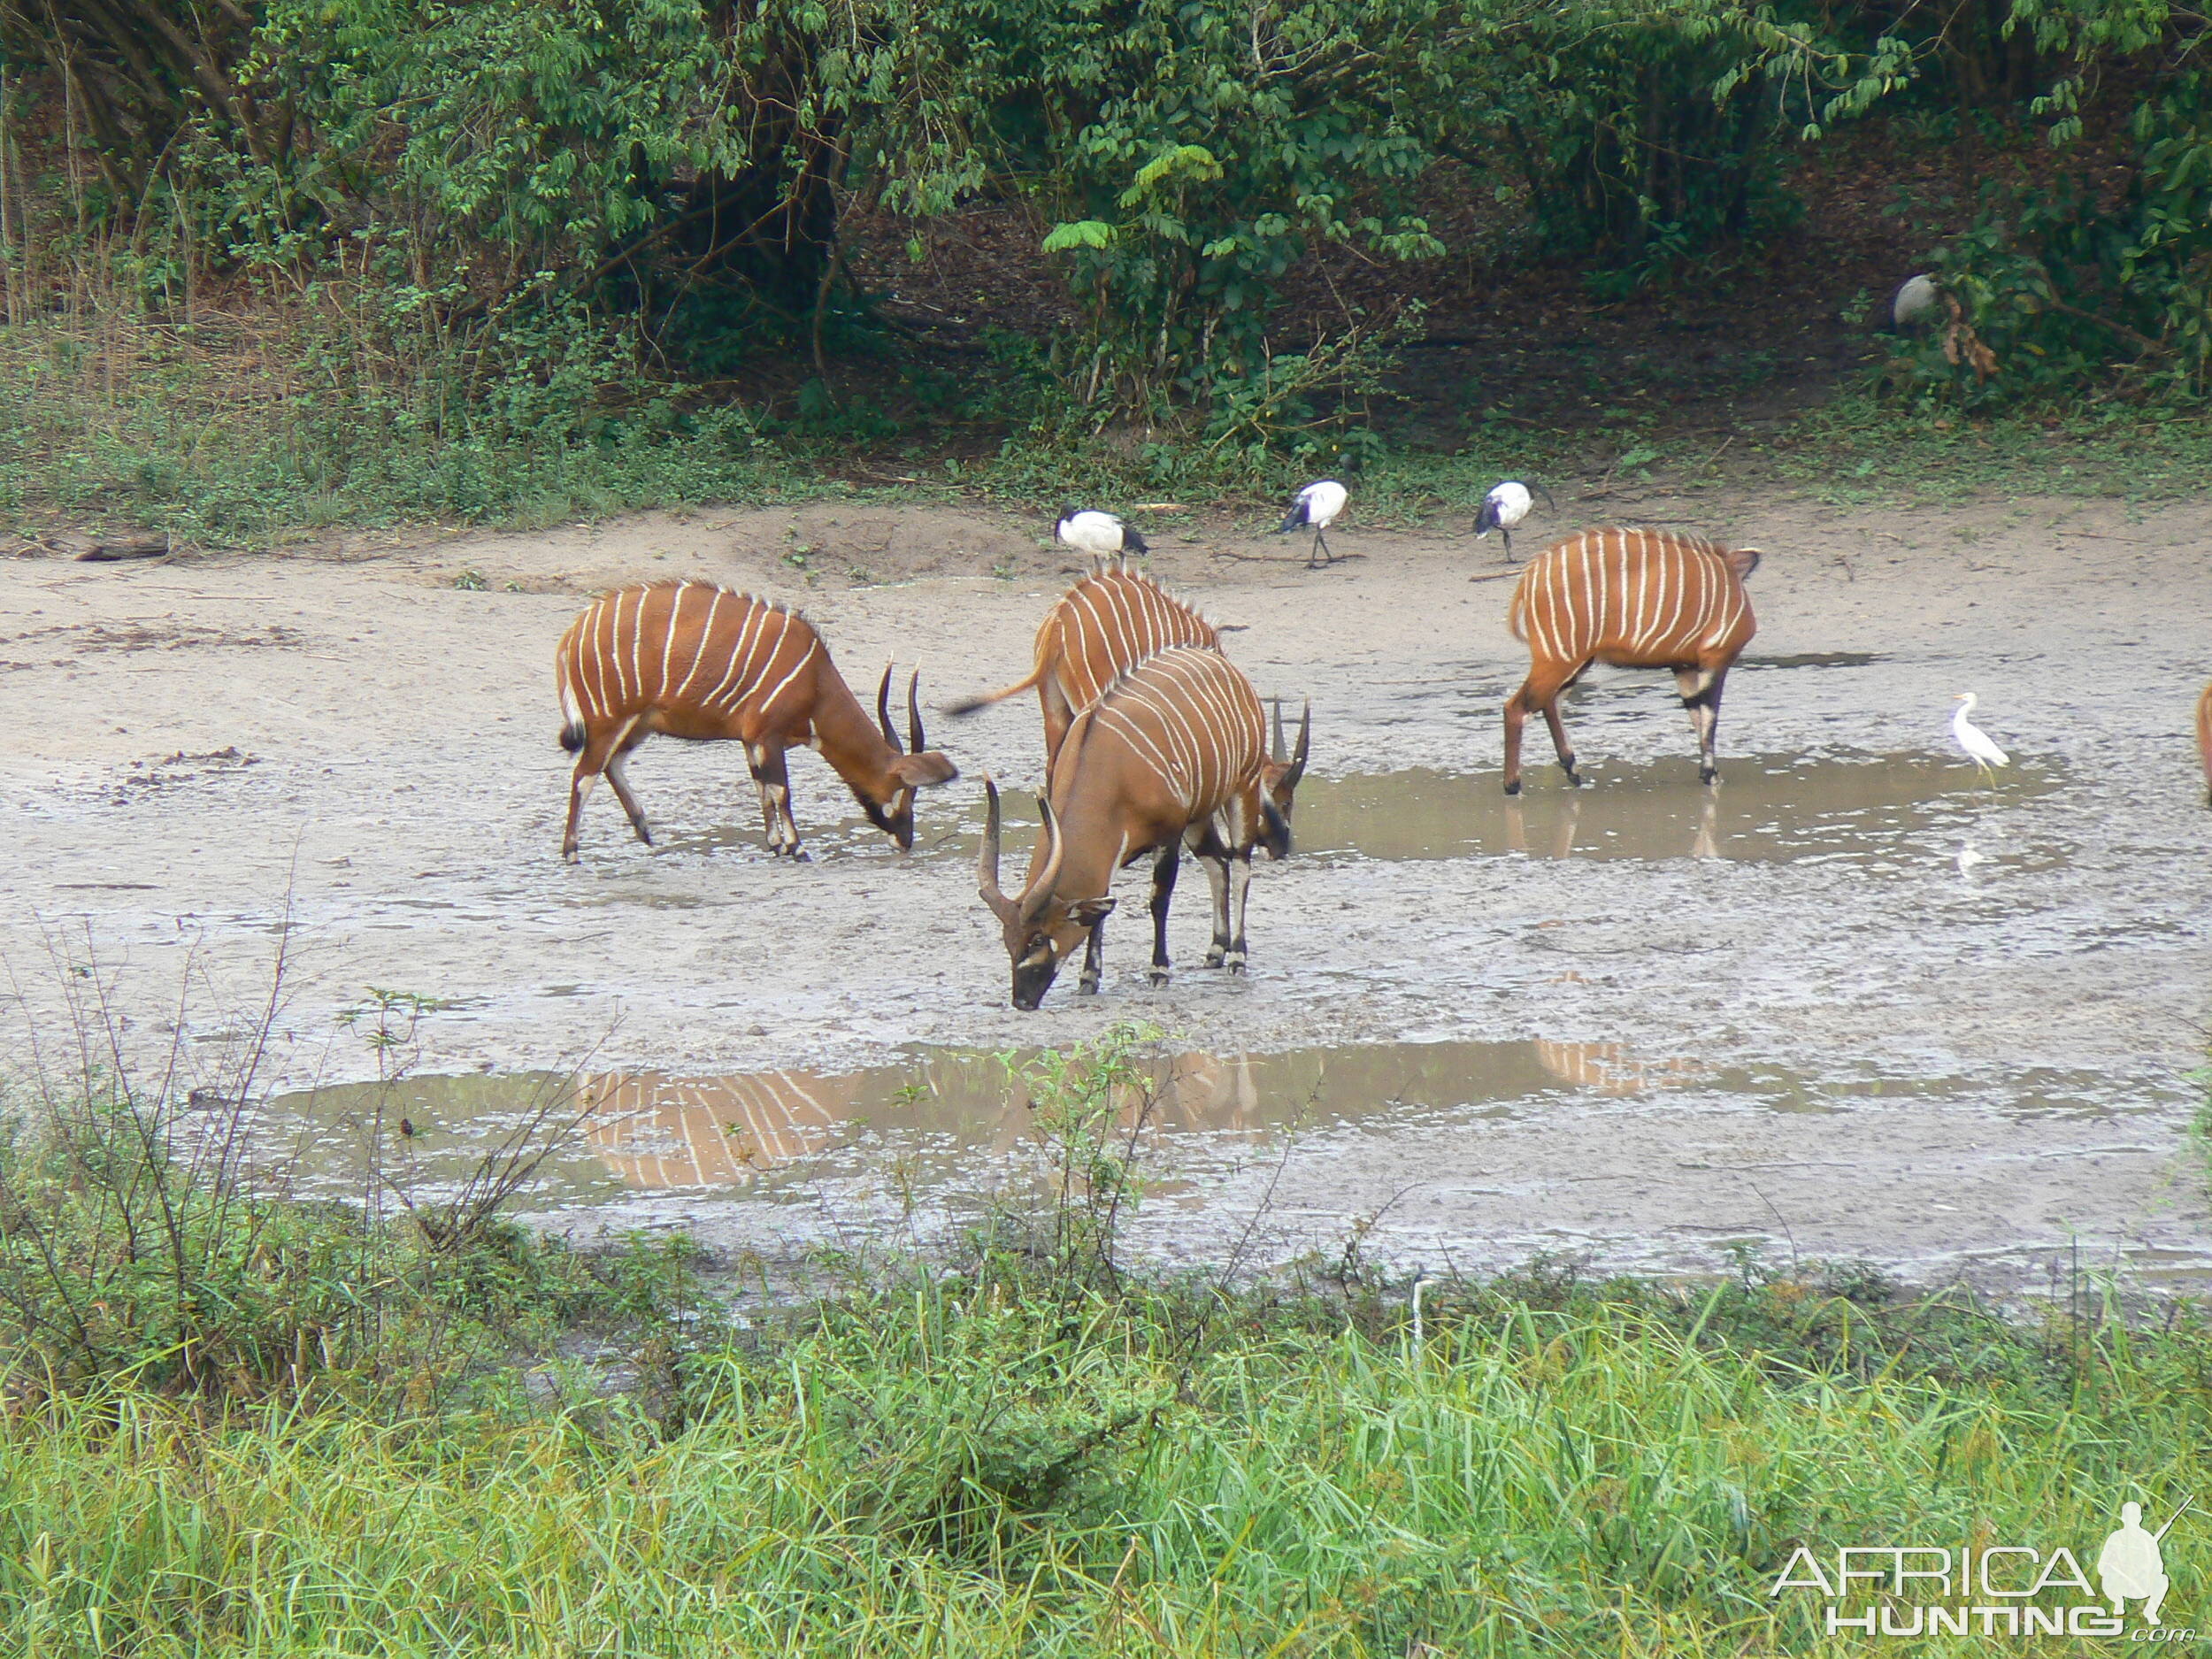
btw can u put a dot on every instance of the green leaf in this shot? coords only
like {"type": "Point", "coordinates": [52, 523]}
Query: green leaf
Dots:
{"type": "Point", "coordinates": [1082, 232]}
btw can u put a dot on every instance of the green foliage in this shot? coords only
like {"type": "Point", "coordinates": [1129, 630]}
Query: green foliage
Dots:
{"type": "Point", "coordinates": [139, 1245]}
{"type": "Point", "coordinates": [150, 1239]}
{"type": "Point", "coordinates": [973, 1469]}
{"type": "Point", "coordinates": [2063, 290]}
{"type": "Point", "coordinates": [1644, 133]}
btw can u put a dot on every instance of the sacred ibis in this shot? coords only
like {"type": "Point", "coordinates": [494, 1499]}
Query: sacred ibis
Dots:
{"type": "Point", "coordinates": [1505, 506]}
{"type": "Point", "coordinates": [1100, 535]}
{"type": "Point", "coordinates": [1316, 507]}
{"type": "Point", "coordinates": [1914, 301]}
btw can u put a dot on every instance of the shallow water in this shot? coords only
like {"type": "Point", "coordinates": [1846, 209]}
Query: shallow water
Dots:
{"type": "Point", "coordinates": [1621, 1142]}
{"type": "Point", "coordinates": [1859, 807]}
{"type": "Point", "coordinates": [1866, 809]}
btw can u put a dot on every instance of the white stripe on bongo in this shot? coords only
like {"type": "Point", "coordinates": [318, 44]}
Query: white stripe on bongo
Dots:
{"type": "Point", "coordinates": [768, 703]}
{"type": "Point", "coordinates": [748, 630]}
{"type": "Point", "coordinates": [668, 639]}
{"type": "Point", "coordinates": [698, 651]}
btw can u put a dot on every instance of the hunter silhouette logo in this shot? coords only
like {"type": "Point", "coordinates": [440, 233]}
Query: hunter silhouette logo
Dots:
{"type": "Point", "coordinates": [2131, 1566]}
{"type": "Point", "coordinates": [2005, 1589]}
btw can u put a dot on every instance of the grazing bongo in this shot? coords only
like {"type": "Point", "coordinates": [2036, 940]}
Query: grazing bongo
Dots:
{"type": "Point", "coordinates": [1172, 754]}
{"type": "Point", "coordinates": [703, 663]}
{"type": "Point", "coordinates": [1101, 628]}
{"type": "Point", "coordinates": [1633, 599]}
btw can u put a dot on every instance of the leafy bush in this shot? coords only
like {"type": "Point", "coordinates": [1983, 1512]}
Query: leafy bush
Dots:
{"type": "Point", "coordinates": [2058, 288]}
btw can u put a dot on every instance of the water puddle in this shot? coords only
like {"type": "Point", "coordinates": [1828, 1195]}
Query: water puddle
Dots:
{"type": "Point", "coordinates": [953, 1116]}
{"type": "Point", "coordinates": [1849, 806]}
{"type": "Point", "coordinates": [1854, 808]}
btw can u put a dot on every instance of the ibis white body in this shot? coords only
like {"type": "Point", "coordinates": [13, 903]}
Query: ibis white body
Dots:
{"type": "Point", "coordinates": [1914, 302]}
{"type": "Point", "coordinates": [1315, 508]}
{"type": "Point", "coordinates": [1317, 505]}
{"type": "Point", "coordinates": [1504, 507]}
{"type": "Point", "coordinates": [1100, 535]}
{"type": "Point", "coordinates": [1509, 502]}
{"type": "Point", "coordinates": [1972, 739]}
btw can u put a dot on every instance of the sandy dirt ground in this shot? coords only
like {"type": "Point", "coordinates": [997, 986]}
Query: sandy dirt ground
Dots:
{"type": "Point", "coordinates": [196, 751]}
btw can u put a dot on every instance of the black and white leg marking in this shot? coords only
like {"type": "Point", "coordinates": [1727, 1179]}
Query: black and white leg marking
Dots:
{"type": "Point", "coordinates": [1093, 960]}
{"type": "Point", "coordinates": [1217, 879]}
{"type": "Point", "coordinates": [1240, 881]}
{"type": "Point", "coordinates": [769, 772]}
{"type": "Point", "coordinates": [1164, 868]}
{"type": "Point", "coordinates": [620, 781]}
{"type": "Point", "coordinates": [1701, 698]}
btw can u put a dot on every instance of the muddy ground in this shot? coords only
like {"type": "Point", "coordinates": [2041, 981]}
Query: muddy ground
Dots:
{"type": "Point", "coordinates": [1985, 1056]}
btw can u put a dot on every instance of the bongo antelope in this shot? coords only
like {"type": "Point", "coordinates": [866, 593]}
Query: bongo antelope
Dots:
{"type": "Point", "coordinates": [701, 662]}
{"type": "Point", "coordinates": [1100, 535]}
{"type": "Point", "coordinates": [1633, 599]}
{"type": "Point", "coordinates": [1172, 755]}
{"type": "Point", "coordinates": [1102, 626]}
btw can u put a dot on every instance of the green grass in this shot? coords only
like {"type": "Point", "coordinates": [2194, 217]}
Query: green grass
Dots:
{"type": "Point", "coordinates": [1861, 450]}
{"type": "Point", "coordinates": [229, 435]}
{"type": "Point", "coordinates": [1029, 1471]}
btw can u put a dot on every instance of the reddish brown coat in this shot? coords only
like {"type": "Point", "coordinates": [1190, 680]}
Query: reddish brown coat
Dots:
{"type": "Point", "coordinates": [1633, 599]}
{"type": "Point", "coordinates": [697, 661]}
{"type": "Point", "coordinates": [1098, 631]}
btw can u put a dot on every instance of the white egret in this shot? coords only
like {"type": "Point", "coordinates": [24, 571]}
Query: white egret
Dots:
{"type": "Point", "coordinates": [1316, 508]}
{"type": "Point", "coordinates": [1420, 1284]}
{"type": "Point", "coordinates": [1985, 754]}
{"type": "Point", "coordinates": [1506, 505]}
{"type": "Point", "coordinates": [1100, 535]}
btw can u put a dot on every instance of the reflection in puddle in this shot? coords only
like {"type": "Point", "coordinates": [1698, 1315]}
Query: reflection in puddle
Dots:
{"type": "Point", "coordinates": [960, 1113]}
{"type": "Point", "coordinates": [1609, 1068]}
{"type": "Point", "coordinates": [1855, 808]}
{"type": "Point", "coordinates": [659, 1131]}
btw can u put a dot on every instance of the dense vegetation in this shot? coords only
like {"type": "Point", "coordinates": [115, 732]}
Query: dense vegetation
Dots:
{"type": "Point", "coordinates": [237, 1424]}
{"type": "Point", "coordinates": [279, 260]}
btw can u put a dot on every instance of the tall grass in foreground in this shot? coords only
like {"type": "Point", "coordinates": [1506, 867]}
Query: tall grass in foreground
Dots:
{"type": "Point", "coordinates": [906, 1474]}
